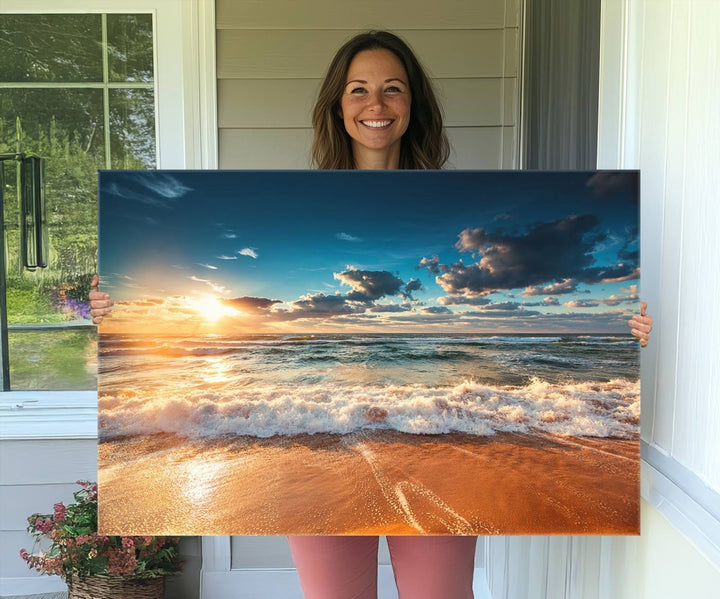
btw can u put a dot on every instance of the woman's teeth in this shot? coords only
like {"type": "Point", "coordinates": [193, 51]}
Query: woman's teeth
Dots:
{"type": "Point", "coordinates": [376, 124]}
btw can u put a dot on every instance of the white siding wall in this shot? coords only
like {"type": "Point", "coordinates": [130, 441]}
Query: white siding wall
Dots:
{"type": "Point", "coordinates": [34, 475]}
{"type": "Point", "coordinates": [271, 58]}
{"type": "Point", "coordinates": [37, 473]}
{"type": "Point", "coordinates": [676, 125]}
{"type": "Point", "coordinates": [660, 84]}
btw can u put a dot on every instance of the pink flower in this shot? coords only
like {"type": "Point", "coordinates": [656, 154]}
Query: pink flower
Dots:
{"type": "Point", "coordinates": [24, 555]}
{"type": "Point", "coordinates": [121, 562]}
{"type": "Point", "coordinates": [128, 543]}
{"type": "Point", "coordinates": [59, 509]}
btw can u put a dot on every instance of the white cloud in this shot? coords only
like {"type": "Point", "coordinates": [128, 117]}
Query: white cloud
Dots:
{"type": "Point", "coordinates": [346, 237]}
{"type": "Point", "coordinates": [219, 289]}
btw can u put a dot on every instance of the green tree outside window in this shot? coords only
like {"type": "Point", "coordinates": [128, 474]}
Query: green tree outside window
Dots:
{"type": "Point", "coordinates": [77, 90]}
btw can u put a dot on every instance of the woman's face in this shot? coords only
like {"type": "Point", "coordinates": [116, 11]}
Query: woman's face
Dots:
{"type": "Point", "coordinates": [375, 103]}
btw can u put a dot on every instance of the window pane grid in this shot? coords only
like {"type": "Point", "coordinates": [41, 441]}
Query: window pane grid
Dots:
{"type": "Point", "coordinates": [53, 352]}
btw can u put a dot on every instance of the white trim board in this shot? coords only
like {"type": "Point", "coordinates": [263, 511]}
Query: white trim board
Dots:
{"type": "Point", "coordinates": [48, 415]}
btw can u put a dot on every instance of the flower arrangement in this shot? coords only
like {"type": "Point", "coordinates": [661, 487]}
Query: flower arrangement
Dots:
{"type": "Point", "coordinates": [77, 550]}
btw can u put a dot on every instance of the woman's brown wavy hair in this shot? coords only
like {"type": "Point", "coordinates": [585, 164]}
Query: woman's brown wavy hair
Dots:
{"type": "Point", "coordinates": [424, 144]}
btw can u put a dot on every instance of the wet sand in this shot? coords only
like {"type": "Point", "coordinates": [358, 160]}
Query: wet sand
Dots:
{"type": "Point", "coordinates": [378, 482]}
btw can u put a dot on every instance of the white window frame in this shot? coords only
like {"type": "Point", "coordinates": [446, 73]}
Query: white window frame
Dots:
{"type": "Point", "coordinates": [186, 131]}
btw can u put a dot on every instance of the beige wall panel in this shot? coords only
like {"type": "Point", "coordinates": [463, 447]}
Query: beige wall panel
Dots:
{"type": "Point", "coordinates": [253, 54]}
{"type": "Point", "coordinates": [265, 148]}
{"type": "Point", "coordinates": [471, 102]}
{"type": "Point", "coordinates": [471, 148]}
{"type": "Point", "coordinates": [512, 52]}
{"type": "Point", "coordinates": [512, 13]}
{"type": "Point", "coordinates": [475, 147]}
{"type": "Point", "coordinates": [352, 14]}
{"type": "Point", "coordinates": [277, 103]}
{"type": "Point", "coordinates": [263, 103]}
{"type": "Point", "coordinates": [511, 108]}
{"type": "Point", "coordinates": [510, 148]}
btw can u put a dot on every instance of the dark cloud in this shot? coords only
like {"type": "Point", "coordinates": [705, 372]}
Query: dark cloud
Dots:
{"type": "Point", "coordinates": [548, 258]}
{"type": "Point", "coordinates": [461, 300]}
{"type": "Point", "coordinates": [432, 264]}
{"type": "Point", "coordinates": [610, 274]}
{"type": "Point", "coordinates": [369, 285]}
{"type": "Point", "coordinates": [630, 251]}
{"type": "Point", "coordinates": [511, 313]}
{"type": "Point", "coordinates": [502, 306]}
{"type": "Point", "coordinates": [608, 183]}
{"type": "Point", "coordinates": [548, 301]}
{"type": "Point", "coordinates": [251, 305]}
{"type": "Point", "coordinates": [546, 252]}
{"type": "Point", "coordinates": [390, 308]}
{"type": "Point", "coordinates": [321, 305]}
{"type": "Point", "coordinates": [410, 286]}
{"type": "Point", "coordinates": [436, 310]}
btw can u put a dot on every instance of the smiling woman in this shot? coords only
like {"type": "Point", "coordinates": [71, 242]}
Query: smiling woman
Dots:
{"type": "Point", "coordinates": [376, 108]}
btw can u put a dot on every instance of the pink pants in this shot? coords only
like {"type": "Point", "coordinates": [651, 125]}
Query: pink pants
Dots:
{"type": "Point", "coordinates": [346, 567]}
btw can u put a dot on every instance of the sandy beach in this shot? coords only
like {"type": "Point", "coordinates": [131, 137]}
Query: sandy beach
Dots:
{"type": "Point", "coordinates": [374, 482]}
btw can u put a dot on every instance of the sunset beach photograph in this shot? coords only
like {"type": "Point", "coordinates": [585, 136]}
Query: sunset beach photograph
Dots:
{"type": "Point", "coordinates": [369, 352]}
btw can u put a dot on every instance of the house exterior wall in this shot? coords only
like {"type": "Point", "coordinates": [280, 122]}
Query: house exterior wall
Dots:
{"type": "Point", "coordinates": [660, 80]}
{"type": "Point", "coordinates": [34, 475]}
{"type": "Point", "coordinates": [270, 63]}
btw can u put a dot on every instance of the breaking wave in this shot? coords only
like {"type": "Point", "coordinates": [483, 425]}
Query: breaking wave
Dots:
{"type": "Point", "coordinates": [596, 409]}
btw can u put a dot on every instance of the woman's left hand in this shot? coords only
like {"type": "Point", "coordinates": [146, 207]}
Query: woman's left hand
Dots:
{"type": "Point", "coordinates": [641, 325]}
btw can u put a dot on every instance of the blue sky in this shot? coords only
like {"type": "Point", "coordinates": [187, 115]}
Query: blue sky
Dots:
{"type": "Point", "coordinates": [322, 251]}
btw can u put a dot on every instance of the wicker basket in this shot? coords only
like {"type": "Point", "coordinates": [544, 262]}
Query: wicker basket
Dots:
{"type": "Point", "coordinates": [116, 587]}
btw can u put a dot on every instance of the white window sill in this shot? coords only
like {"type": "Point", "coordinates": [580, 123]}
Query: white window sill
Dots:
{"type": "Point", "coordinates": [48, 415]}
{"type": "Point", "coordinates": [683, 498]}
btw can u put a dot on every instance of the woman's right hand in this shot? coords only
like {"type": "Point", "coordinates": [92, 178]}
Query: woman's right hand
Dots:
{"type": "Point", "coordinates": [100, 303]}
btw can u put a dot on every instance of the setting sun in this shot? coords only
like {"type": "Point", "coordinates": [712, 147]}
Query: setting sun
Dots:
{"type": "Point", "coordinates": [211, 308]}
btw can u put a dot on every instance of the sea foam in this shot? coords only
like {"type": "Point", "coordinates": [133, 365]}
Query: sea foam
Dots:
{"type": "Point", "coordinates": [596, 409]}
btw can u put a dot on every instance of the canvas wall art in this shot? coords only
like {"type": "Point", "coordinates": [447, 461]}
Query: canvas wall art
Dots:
{"type": "Point", "coordinates": [369, 352]}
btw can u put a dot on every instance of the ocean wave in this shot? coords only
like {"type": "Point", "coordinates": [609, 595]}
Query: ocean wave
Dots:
{"type": "Point", "coordinates": [167, 351]}
{"type": "Point", "coordinates": [596, 409]}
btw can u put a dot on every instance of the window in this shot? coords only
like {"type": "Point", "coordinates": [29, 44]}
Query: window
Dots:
{"type": "Point", "coordinates": [185, 125]}
{"type": "Point", "coordinates": [78, 91]}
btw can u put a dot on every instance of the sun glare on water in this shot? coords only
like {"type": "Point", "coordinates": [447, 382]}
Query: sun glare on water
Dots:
{"type": "Point", "coordinates": [211, 308]}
